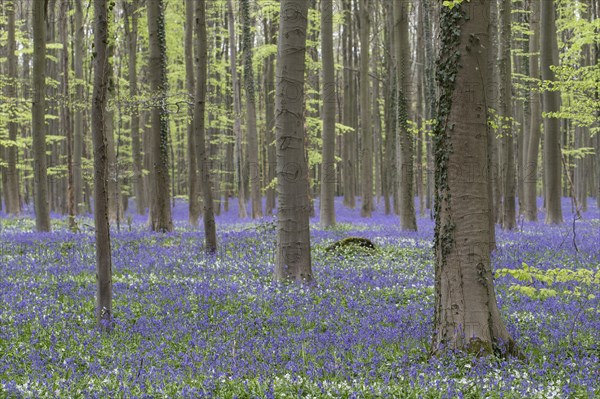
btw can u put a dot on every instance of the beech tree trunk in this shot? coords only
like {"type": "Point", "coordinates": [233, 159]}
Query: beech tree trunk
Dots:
{"type": "Point", "coordinates": [38, 112]}
{"type": "Point", "coordinates": [254, 168]}
{"type": "Point", "coordinates": [365, 111]}
{"type": "Point", "coordinates": [269, 82]}
{"type": "Point", "coordinates": [466, 313]}
{"type": "Point", "coordinates": [551, 101]}
{"type": "Point", "coordinates": [102, 233]}
{"type": "Point", "coordinates": [13, 201]}
{"type": "Point", "coordinates": [131, 31]}
{"type": "Point", "coordinates": [210, 234]}
{"type": "Point", "coordinates": [404, 140]}
{"type": "Point", "coordinates": [160, 209]}
{"type": "Point", "coordinates": [293, 260]}
{"type": "Point", "coordinates": [194, 205]}
{"type": "Point", "coordinates": [237, 113]}
{"type": "Point", "coordinates": [533, 147]}
{"type": "Point", "coordinates": [349, 142]}
{"type": "Point", "coordinates": [328, 163]}
{"type": "Point", "coordinates": [508, 177]}
{"type": "Point", "coordinates": [79, 126]}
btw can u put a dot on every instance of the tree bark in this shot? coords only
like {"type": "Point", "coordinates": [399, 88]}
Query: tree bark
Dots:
{"type": "Point", "coordinates": [13, 202]}
{"type": "Point", "coordinates": [66, 111]}
{"type": "Point", "coordinates": [210, 234]}
{"type": "Point", "coordinates": [79, 127]}
{"type": "Point", "coordinates": [102, 234]}
{"type": "Point", "coordinates": [254, 169]}
{"type": "Point", "coordinates": [237, 113]}
{"type": "Point", "coordinates": [293, 260]}
{"type": "Point", "coordinates": [160, 210]}
{"type": "Point", "coordinates": [404, 140]}
{"type": "Point", "coordinates": [328, 164]}
{"type": "Point", "coordinates": [194, 205]}
{"type": "Point", "coordinates": [38, 112]}
{"type": "Point", "coordinates": [551, 101]}
{"type": "Point", "coordinates": [348, 143]}
{"type": "Point", "coordinates": [508, 181]}
{"type": "Point", "coordinates": [365, 111]}
{"type": "Point", "coordinates": [271, 34]}
{"type": "Point", "coordinates": [466, 313]}
{"type": "Point", "coordinates": [131, 31]}
{"type": "Point", "coordinates": [531, 170]}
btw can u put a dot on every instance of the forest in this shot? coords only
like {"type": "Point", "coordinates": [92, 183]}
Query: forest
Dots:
{"type": "Point", "coordinates": [299, 198]}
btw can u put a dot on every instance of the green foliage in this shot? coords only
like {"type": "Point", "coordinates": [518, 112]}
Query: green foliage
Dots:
{"type": "Point", "coordinates": [587, 281]}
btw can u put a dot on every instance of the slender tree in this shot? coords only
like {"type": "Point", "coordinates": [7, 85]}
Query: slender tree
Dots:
{"type": "Point", "coordinates": [194, 205]}
{"type": "Point", "coordinates": [210, 234]}
{"type": "Point", "coordinates": [533, 147]}
{"type": "Point", "coordinates": [102, 233]}
{"type": "Point", "coordinates": [329, 96]}
{"type": "Point", "coordinates": [365, 111]}
{"type": "Point", "coordinates": [466, 313]}
{"type": "Point", "coordinates": [38, 112]}
{"type": "Point", "coordinates": [78, 117]}
{"type": "Point", "coordinates": [131, 31]}
{"type": "Point", "coordinates": [160, 210]}
{"type": "Point", "coordinates": [252, 134]}
{"type": "Point", "coordinates": [551, 101]}
{"type": "Point", "coordinates": [349, 167]}
{"type": "Point", "coordinates": [237, 112]}
{"type": "Point", "coordinates": [293, 260]}
{"type": "Point", "coordinates": [404, 140]}
{"type": "Point", "coordinates": [13, 201]}
{"type": "Point", "coordinates": [508, 177]}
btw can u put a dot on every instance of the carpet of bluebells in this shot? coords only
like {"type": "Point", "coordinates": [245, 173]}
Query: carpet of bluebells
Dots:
{"type": "Point", "coordinates": [190, 325]}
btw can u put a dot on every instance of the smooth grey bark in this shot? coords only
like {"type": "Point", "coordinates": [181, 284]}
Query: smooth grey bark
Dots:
{"type": "Point", "coordinates": [365, 111]}
{"type": "Point", "coordinates": [38, 112]}
{"type": "Point", "coordinates": [505, 64]}
{"type": "Point", "coordinates": [252, 134]}
{"type": "Point", "coordinates": [269, 81]}
{"type": "Point", "coordinates": [160, 209]}
{"type": "Point", "coordinates": [131, 31]}
{"type": "Point", "coordinates": [66, 111]}
{"type": "Point", "coordinates": [551, 103]}
{"type": "Point", "coordinates": [293, 259]}
{"type": "Point", "coordinates": [210, 235]}
{"type": "Point", "coordinates": [349, 165]}
{"type": "Point", "coordinates": [466, 312]}
{"type": "Point", "coordinates": [102, 232]}
{"type": "Point", "coordinates": [79, 126]}
{"type": "Point", "coordinates": [237, 112]}
{"type": "Point", "coordinates": [194, 205]}
{"type": "Point", "coordinates": [327, 205]}
{"type": "Point", "coordinates": [404, 140]}
{"type": "Point", "coordinates": [13, 201]}
{"type": "Point", "coordinates": [531, 170]}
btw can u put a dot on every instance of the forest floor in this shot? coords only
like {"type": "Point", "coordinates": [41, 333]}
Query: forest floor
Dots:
{"type": "Point", "coordinates": [190, 325]}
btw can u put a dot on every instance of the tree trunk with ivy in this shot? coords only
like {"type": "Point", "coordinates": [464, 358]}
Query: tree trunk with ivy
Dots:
{"type": "Point", "coordinates": [551, 102]}
{"type": "Point", "coordinates": [38, 112]}
{"type": "Point", "coordinates": [293, 260]}
{"type": "Point", "coordinates": [466, 312]}
{"type": "Point", "coordinates": [404, 139]}
{"type": "Point", "coordinates": [102, 231]}
{"type": "Point", "coordinates": [160, 209]}
{"type": "Point", "coordinates": [327, 209]}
